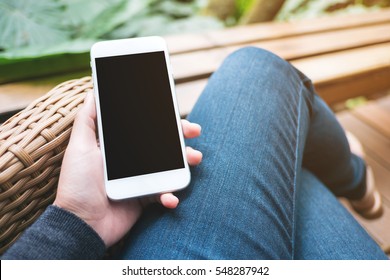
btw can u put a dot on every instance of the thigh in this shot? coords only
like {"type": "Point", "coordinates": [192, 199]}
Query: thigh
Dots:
{"type": "Point", "coordinates": [325, 229]}
{"type": "Point", "coordinates": [239, 205]}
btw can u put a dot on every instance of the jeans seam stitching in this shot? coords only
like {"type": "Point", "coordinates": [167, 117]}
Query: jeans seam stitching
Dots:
{"type": "Point", "coordinates": [296, 168]}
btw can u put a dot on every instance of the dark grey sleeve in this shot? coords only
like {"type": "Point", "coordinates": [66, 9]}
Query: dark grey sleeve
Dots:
{"type": "Point", "coordinates": [57, 234]}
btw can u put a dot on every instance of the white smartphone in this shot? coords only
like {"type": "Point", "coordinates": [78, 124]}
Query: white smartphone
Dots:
{"type": "Point", "coordinates": [138, 120]}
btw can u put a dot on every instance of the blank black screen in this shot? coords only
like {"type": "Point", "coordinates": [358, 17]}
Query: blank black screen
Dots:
{"type": "Point", "coordinates": [138, 118]}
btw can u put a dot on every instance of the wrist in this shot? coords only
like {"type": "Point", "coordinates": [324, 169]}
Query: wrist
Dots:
{"type": "Point", "coordinates": [79, 213]}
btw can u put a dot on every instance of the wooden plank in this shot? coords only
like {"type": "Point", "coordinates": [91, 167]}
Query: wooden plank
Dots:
{"type": "Point", "coordinates": [271, 31]}
{"type": "Point", "coordinates": [343, 75]}
{"type": "Point", "coordinates": [18, 96]}
{"type": "Point", "coordinates": [326, 42]}
{"type": "Point", "coordinates": [187, 95]}
{"type": "Point", "coordinates": [377, 147]}
{"type": "Point", "coordinates": [278, 30]}
{"type": "Point", "coordinates": [379, 228]}
{"type": "Point", "coordinates": [203, 63]}
{"type": "Point", "coordinates": [345, 63]}
{"type": "Point", "coordinates": [196, 65]}
{"type": "Point", "coordinates": [382, 178]}
{"type": "Point", "coordinates": [375, 144]}
{"type": "Point", "coordinates": [365, 83]}
{"type": "Point", "coordinates": [384, 102]}
{"type": "Point", "coordinates": [15, 96]}
{"type": "Point", "coordinates": [348, 74]}
{"type": "Point", "coordinates": [189, 42]}
{"type": "Point", "coordinates": [375, 116]}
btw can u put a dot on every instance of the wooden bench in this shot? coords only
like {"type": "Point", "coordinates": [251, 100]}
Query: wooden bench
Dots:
{"type": "Point", "coordinates": [345, 56]}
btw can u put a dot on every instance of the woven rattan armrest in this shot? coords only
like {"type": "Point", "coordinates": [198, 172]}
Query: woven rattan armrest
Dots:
{"type": "Point", "coordinates": [32, 145]}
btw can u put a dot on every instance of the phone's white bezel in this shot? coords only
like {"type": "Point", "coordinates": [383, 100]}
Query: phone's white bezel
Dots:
{"type": "Point", "coordinates": [159, 182]}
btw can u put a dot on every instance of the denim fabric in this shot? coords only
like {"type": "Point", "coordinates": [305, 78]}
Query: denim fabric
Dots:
{"type": "Point", "coordinates": [261, 120]}
{"type": "Point", "coordinates": [325, 229]}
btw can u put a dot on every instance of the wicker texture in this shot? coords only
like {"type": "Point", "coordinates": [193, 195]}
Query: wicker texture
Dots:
{"type": "Point", "coordinates": [32, 145]}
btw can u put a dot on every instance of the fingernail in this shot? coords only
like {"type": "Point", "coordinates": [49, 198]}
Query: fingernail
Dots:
{"type": "Point", "coordinates": [197, 126]}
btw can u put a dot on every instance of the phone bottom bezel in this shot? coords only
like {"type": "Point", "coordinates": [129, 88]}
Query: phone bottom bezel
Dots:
{"type": "Point", "coordinates": [160, 182]}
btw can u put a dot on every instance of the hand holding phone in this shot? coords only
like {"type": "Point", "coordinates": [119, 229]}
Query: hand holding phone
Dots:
{"type": "Point", "coordinates": [138, 119]}
{"type": "Point", "coordinates": [81, 184]}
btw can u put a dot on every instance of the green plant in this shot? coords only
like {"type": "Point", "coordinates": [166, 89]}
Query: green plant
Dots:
{"type": "Point", "coordinates": [298, 9]}
{"type": "Point", "coordinates": [49, 36]}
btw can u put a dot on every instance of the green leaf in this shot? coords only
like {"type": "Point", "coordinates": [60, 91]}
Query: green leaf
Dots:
{"type": "Point", "coordinates": [243, 6]}
{"type": "Point", "coordinates": [175, 9]}
{"type": "Point", "coordinates": [31, 62]}
{"type": "Point", "coordinates": [301, 9]}
{"type": "Point", "coordinates": [27, 53]}
{"type": "Point", "coordinates": [112, 17]}
{"type": "Point", "coordinates": [30, 23]}
{"type": "Point", "coordinates": [80, 12]}
{"type": "Point", "coordinates": [355, 102]}
{"type": "Point", "coordinates": [161, 18]}
{"type": "Point", "coordinates": [140, 25]}
{"type": "Point", "coordinates": [45, 37]}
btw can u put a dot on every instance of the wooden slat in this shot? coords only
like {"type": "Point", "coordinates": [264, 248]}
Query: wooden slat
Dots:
{"type": "Point", "coordinates": [15, 96]}
{"type": "Point", "coordinates": [348, 74]}
{"type": "Point", "coordinates": [375, 116]}
{"type": "Point", "coordinates": [199, 64]}
{"type": "Point", "coordinates": [338, 76]}
{"type": "Point", "coordinates": [202, 63]}
{"type": "Point", "coordinates": [379, 229]}
{"type": "Point", "coordinates": [188, 42]}
{"type": "Point", "coordinates": [326, 42]}
{"type": "Point", "coordinates": [271, 31]}
{"type": "Point", "coordinates": [377, 147]}
{"type": "Point", "coordinates": [365, 83]}
{"type": "Point", "coordinates": [384, 102]}
{"type": "Point", "coordinates": [187, 95]}
{"type": "Point", "coordinates": [382, 178]}
{"type": "Point", "coordinates": [376, 144]}
{"type": "Point", "coordinates": [342, 64]}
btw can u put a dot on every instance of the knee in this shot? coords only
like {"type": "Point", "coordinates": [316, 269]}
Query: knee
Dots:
{"type": "Point", "coordinates": [269, 76]}
{"type": "Point", "coordinates": [262, 66]}
{"type": "Point", "coordinates": [261, 59]}
{"type": "Point", "coordinates": [250, 53]}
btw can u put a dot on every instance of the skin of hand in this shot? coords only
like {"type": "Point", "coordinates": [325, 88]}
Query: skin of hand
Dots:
{"type": "Point", "coordinates": [81, 183]}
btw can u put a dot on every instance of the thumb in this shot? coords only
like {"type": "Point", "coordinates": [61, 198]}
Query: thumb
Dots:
{"type": "Point", "coordinates": [84, 127]}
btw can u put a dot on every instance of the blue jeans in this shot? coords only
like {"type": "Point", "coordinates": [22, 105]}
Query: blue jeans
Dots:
{"type": "Point", "coordinates": [270, 146]}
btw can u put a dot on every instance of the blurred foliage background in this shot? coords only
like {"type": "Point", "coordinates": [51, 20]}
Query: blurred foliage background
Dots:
{"type": "Point", "coordinates": [233, 12]}
{"type": "Point", "coordinates": [62, 31]}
